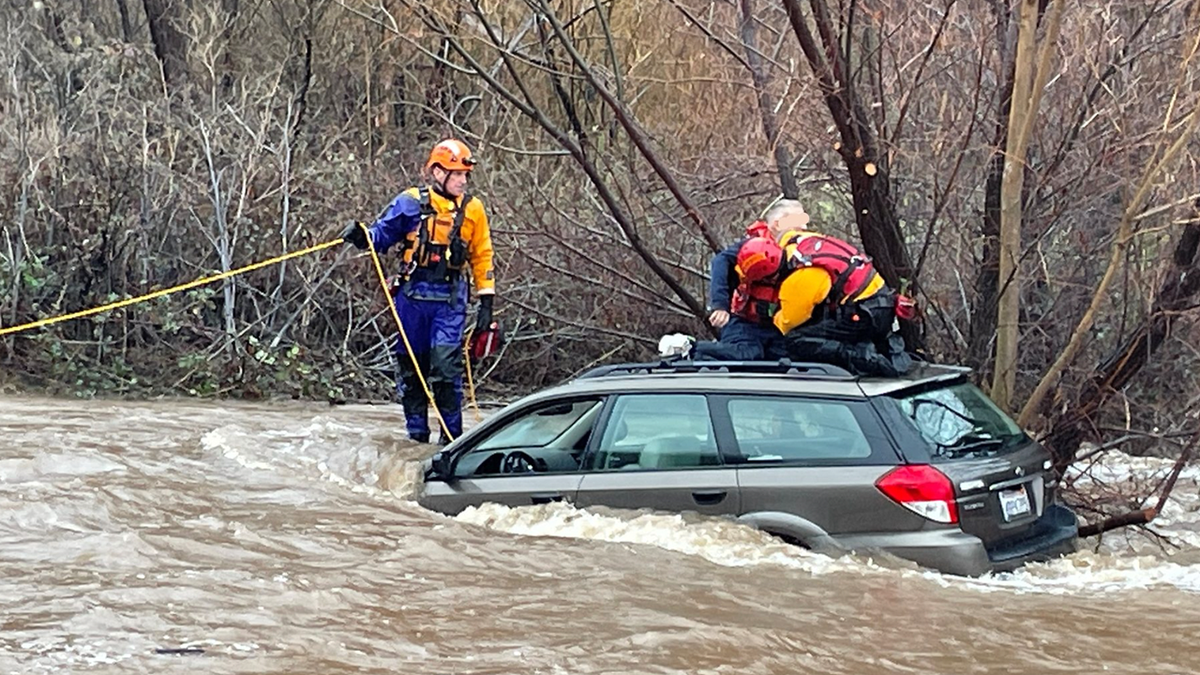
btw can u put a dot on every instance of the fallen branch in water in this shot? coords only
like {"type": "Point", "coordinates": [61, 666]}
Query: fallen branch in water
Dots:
{"type": "Point", "coordinates": [1144, 516]}
{"type": "Point", "coordinates": [1184, 457]}
{"type": "Point", "coordinates": [1141, 517]}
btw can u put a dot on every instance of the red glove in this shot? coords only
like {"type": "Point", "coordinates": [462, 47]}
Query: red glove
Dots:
{"type": "Point", "coordinates": [906, 307]}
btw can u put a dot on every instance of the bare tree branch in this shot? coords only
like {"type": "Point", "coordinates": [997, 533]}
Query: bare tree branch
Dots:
{"type": "Point", "coordinates": [631, 126]}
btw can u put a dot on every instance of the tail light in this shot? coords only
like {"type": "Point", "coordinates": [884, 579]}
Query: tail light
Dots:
{"type": "Point", "coordinates": [921, 489]}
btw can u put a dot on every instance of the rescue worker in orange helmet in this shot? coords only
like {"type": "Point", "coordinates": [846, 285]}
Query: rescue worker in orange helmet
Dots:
{"type": "Point", "coordinates": [443, 235]}
{"type": "Point", "coordinates": [743, 310]}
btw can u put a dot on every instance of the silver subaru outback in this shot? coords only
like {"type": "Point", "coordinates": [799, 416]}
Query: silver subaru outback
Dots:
{"type": "Point", "coordinates": [924, 467]}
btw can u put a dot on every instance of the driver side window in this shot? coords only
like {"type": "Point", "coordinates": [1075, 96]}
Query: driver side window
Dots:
{"type": "Point", "coordinates": [548, 439]}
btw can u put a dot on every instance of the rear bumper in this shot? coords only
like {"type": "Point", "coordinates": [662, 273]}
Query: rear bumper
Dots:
{"type": "Point", "coordinates": [955, 552]}
{"type": "Point", "coordinates": [1055, 534]}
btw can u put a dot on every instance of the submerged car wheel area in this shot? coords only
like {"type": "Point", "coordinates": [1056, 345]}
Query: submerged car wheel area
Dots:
{"type": "Point", "coordinates": [924, 467]}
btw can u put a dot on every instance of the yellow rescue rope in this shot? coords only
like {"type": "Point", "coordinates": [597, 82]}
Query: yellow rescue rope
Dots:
{"type": "Point", "coordinates": [470, 381]}
{"type": "Point", "coordinates": [9, 330]}
{"type": "Point", "coordinates": [166, 291]}
{"type": "Point", "coordinates": [403, 335]}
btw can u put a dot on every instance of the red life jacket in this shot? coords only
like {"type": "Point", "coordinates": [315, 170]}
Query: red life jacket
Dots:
{"type": "Point", "coordinates": [755, 302]}
{"type": "Point", "coordinates": [851, 271]}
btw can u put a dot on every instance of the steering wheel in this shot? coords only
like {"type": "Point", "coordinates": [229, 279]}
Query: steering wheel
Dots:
{"type": "Point", "coordinates": [518, 462]}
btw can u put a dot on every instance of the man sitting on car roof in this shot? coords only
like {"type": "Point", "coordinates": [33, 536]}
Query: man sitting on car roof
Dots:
{"type": "Point", "coordinates": [744, 310]}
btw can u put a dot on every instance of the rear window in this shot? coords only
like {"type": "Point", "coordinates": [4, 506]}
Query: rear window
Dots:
{"type": "Point", "coordinates": [961, 421]}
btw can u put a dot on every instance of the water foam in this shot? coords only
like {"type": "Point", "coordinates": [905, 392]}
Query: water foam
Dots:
{"type": "Point", "coordinates": [731, 544]}
{"type": "Point", "coordinates": [327, 450]}
{"type": "Point", "coordinates": [55, 465]}
{"type": "Point", "coordinates": [717, 540]}
{"type": "Point", "coordinates": [1087, 571]}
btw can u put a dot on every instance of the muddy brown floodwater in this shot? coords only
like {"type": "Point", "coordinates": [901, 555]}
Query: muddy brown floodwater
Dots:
{"type": "Point", "coordinates": [187, 537]}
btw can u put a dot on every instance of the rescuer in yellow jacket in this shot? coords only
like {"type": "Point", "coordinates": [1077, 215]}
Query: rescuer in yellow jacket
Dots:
{"type": "Point", "coordinates": [444, 235]}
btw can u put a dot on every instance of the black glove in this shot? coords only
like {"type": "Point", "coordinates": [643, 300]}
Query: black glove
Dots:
{"type": "Point", "coordinates": [483, 318]}
{"type": "Point", "coordinates": [355, 234]}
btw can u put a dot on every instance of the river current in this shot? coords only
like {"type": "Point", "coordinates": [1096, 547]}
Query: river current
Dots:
{"type": "Point", "coordinates": [179, 537]}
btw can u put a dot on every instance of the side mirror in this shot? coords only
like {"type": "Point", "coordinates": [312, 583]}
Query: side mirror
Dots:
{"type": "Point", "coordinates": [440, 467]}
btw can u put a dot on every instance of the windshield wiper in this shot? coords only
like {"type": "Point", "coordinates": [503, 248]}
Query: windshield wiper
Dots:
{"type": "Point", "coordinates": [963, 446]}
{"type": "Point", "coordinates": [975, 439]}
{"type": "Point", "coordinates": [975, 423]}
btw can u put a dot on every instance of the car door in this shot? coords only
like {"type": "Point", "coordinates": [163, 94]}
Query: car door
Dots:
{"type": "Point", "coordinates": [658, 451]}
{"type": "Point", "coordinates": [814, 458]}
{"type": "Point", "coordinates": [533, 457]}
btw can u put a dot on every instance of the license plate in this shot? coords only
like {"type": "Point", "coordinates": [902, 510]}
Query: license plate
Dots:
{"type": "Point", "coordinates": [1014, 503]}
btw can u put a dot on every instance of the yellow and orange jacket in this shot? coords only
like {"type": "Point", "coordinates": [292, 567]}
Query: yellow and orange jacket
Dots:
{"type": "Point", "coordinates": [402, 222]}
{"type": "Point", "coordinates": [806, 288]}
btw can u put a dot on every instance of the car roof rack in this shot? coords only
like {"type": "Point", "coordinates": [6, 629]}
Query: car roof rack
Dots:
{"type": "Point", "coordinates": [782, 366]}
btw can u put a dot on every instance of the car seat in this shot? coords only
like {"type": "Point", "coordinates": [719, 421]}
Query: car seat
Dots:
{"type": "Point", "coordinates": [675, 452]}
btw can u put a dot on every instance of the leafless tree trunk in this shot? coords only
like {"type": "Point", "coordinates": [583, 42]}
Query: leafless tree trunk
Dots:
{"type": "Point", "coordinates": [222, 240]}
{"type": "Point", "coordinates": [301, 99]}
{"type": "Point", "coordinates": [170, 43]}
{"type": "Point", "coordinates": [874, 204]}
{"type": "Point", "coordinates": [766, 102]}
{"type": "Point", "coordinates": [229, 14]}
{"type": "Point", "coordinates": [284, 156]}
{"type": "Point", "coordinates": [1178, 290]}
{"type": "Point", "coordinates": [126, 22]}
{"type": "Point", "coordinates": [16, 242]}
{"type": "Point", "coordinates": [1032, 66]}
{"type": "Point", "coordinates": [982, 331]}
{"type": "Point", "coordinates": [1162, 159]}
{"type": "Point", "coordinates": [388, 78]}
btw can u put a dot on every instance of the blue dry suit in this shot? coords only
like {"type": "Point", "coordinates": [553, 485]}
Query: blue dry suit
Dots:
{"type": "Point", "coordinates": [740, 340]}
{"type": "Point", "coordinates": [432, 298]}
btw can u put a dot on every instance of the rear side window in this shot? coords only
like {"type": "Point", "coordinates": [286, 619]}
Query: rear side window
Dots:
{"type": "Point", "coordinates": [961, 421]}
{"type": "Point", "coordinates": [799, 430]}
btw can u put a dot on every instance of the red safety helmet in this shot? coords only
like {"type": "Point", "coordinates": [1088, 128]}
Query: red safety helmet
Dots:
{"type": "Point", "coordinates": [759, 258]}
{"type": "Point", "coordinates": [451, 155]}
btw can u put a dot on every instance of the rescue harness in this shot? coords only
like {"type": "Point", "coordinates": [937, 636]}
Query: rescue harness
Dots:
{"type": "Point", "coordinates": [756, 302]}
{"type": "Point", "coordinates": [427, 260]}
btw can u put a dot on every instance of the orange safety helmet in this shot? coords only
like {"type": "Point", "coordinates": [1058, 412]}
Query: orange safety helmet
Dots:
{"type": "Point", "coordinates": [451, 155]}
{"type": "Point", "coordinates": [759, 258]}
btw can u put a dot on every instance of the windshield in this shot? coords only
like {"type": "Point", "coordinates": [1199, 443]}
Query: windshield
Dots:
{"type": "Point", "coordinates": [961, 421]}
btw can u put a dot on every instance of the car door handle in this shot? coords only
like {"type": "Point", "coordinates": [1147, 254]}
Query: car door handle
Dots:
{"type": "Point", "coordinates": [709, 497]}
{"type": "Point", "coordinates": [545, 497]}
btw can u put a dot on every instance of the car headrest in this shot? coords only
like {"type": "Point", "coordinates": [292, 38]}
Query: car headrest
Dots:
{"type": "Point", "coordinates": [672, 452]}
